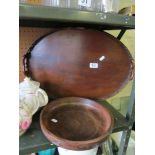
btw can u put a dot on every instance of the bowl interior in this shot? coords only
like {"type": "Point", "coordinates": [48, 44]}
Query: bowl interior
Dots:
{"type": "Point", "coordinates": [76, 120]}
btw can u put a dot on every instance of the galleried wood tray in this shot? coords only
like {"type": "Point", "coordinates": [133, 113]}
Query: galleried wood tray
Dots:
{"type": "Point", "coordinates": [80, 63]}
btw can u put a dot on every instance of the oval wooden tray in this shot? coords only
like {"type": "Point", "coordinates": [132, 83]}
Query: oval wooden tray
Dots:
{"type": "Point", "coordinates": [80, 63]}
{"type": "Point", "coordinates": [76, 123]}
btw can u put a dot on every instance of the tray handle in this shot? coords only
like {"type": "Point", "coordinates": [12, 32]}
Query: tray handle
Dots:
{"type": "Point", "coordinates": [26, 58]}
{"type": "Point", "coordinates": [132, 69]}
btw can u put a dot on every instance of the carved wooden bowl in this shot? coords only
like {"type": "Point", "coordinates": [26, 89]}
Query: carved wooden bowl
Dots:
{"type": "Point", "coordinates": [76, 123]}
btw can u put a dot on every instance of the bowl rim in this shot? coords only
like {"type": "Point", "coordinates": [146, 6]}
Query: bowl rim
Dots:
{"type": "Point", "coordinates": [62, 141]}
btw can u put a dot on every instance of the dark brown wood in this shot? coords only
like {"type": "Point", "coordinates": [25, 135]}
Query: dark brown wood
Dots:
{"type": "Point", "coordinates": [76, 123]}
{"type": "Point", "coordinates": [61, 63]}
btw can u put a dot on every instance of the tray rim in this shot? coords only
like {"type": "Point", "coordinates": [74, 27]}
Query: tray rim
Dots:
{"type": "Point", "coordinates": [131, 60]}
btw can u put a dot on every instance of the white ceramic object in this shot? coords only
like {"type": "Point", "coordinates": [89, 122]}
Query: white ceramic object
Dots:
{"type": "Point", "coordinates": [25, 119]}
{"type": "Point", "coordinates": [31, 97]}
{"type": "Point", "coordinates": [32, 94]}
{"type": "Point", "coordinates": [63, 151]}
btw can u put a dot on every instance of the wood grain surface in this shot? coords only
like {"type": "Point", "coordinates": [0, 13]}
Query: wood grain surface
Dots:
{"type": "Point", "coordinates": [76, 123]}
{"type": "Point", "coordinates": [82, 63]}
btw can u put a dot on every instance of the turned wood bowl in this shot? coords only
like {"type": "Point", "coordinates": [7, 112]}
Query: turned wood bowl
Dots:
{"type": "Point", "coordinates": [76, 123]}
